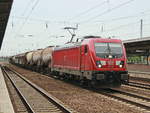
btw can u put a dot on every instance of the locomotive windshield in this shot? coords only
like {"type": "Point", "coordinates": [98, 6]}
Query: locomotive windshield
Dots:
{"type": "Point", "coordinates": [104, 50]}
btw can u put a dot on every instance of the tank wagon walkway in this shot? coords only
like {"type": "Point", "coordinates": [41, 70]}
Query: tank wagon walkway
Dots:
{"type": "Point", "coordinates": [5, 102]}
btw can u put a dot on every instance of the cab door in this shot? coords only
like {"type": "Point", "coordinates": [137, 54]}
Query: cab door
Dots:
{"type": "Point", "coordinates": [84, 53]}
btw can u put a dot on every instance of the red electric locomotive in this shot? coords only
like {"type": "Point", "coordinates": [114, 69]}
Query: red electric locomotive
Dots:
{"type": "Point", "coordinates": [97, 61]}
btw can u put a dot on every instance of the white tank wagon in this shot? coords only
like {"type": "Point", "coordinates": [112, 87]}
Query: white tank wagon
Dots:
{"type": "Point", "coordinates": [36, 58]}
{"type": "Point", "coordinates": [13, 59]}
{"type": "Point", "coordinates": [47, 56]}
{"type": "Point", "coordinates": [21, 59]}
{"type": "Point", "coordinates": [29, 57]}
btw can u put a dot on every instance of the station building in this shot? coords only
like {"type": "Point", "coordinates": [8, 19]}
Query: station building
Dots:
{"type": "Point", "coordinates": [138, 50]}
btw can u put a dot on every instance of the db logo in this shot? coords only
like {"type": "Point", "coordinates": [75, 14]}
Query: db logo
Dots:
{"type": "Point", "coordinates": [110, 63]}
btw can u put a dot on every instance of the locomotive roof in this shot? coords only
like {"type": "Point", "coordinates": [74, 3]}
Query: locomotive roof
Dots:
{"type": "Point", "coordinates": [68, 45]}
{"type": "Point", "coordinates": [85, 39]}
{"type": "Point", "coordinates": [106, 39]}
{"type": "Point", "coordinates": [99, 38]}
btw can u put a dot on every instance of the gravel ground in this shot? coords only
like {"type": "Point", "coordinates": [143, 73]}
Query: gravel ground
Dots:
{"type": "Point", "coordinates": [143, 92]}
{"type": "Point", "coordinates": [81, 100]}
{"type": "Point", "coordinates": [139, 79]}
{"type": "Point", "coordinates": [139, 75]}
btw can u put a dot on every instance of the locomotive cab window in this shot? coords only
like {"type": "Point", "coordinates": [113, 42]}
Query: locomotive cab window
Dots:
{"type": "Point", "coordinates": [103, 50]}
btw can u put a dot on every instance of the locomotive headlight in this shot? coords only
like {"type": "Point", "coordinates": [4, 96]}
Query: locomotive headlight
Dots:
{"type": "Point", "coordinates": [120, 66]}
{"type": "Point", "coordinates": [120, 63]}
{"type": "Point", "coordinates": [99, 65]}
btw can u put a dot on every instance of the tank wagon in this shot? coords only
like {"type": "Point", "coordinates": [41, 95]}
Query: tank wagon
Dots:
{"type": "Point", "coordinates": [36, 59]}
{"type": "Point", "coordinates": [93, 61]}
{"type": "Point", "coordinates": [19, 59]}
{"type": "Point", "coordinates": [46, 58]}
{"type": "Point", "coordinates": [28, 57]}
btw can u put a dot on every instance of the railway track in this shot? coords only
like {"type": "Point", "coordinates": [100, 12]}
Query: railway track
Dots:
{"type": "Point", "coordinates": [130, 98]}
{"type": "Point", "coordinates": [139, 85]}
{"type": "Point", "coordinates": [140, 76]}
{"type": "Point", "coordinates": [35, 98]}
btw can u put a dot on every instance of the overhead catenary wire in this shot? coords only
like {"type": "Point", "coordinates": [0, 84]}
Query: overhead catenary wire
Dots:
{"type": "Point", "coordinates": [142, 13]}
{"type": "Point", "coordinates": [107, 11]}
{"type": "Point", "coordinates": [121, 26]}
{"type": "Point", "coordinates": [125, 25]}
{"type": "Point", "coordinates": [44, 20]}
{"type": "Point", "coordinates": [129, 34]}
{"type": "Point", "coordinates": [125, 17]}
{"type": "Point", "coordinates": [21, 27]}
{"type": "Point", "coordinates": [115, 26]}
{"type": "Point", "coordinates": [136, 31]}
{"type": "Point", "coordinates": [29, 14]}
{"type": "Point", "coordinates": [104, 30]}
{"type": "Point", "coordinates": [88, 10]}
{"type": "Point", "coordinates": [25, 9]}
{"type": "Point", "coordinates": [41, 20]}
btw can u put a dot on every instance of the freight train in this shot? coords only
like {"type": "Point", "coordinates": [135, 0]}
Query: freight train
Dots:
{"type": "Point", "coordinates": [94, 61]}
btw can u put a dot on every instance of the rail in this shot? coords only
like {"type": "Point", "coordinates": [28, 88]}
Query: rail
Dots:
{"type": "Point", "coordinates": [55, 103]}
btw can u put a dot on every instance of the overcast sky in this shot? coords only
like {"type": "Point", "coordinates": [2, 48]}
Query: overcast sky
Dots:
{"type": "Point", "coordinates": [37, 24]}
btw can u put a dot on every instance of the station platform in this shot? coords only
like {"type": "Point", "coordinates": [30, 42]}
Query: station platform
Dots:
{"type": "Point", "coordinates": [5, 102]}
{"type": "Point", "coordinates": [139, 68]}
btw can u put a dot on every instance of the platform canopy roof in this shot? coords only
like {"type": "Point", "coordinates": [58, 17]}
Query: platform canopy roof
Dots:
{"type": "Point", "coordinates": [5, 7]}
{"type": "Point", "coordinates": [138, 46]}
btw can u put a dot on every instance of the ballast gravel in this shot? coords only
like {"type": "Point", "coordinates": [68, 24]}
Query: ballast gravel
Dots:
{"type": "Point", "coordinates": [78, 98]}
